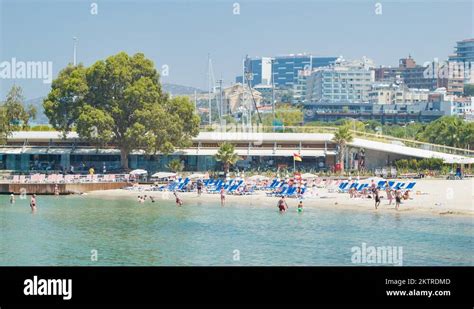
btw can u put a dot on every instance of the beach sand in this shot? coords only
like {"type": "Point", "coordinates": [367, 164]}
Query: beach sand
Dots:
{"type": "Point", "coordinates": [436, 197]}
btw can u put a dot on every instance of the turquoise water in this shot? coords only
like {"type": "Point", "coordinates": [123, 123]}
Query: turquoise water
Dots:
{"type": "Point", "coordinates": [65, 229]}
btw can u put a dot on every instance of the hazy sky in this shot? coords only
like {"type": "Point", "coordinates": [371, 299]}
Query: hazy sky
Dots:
{"type": "Point", "coordinates": [181, 33]}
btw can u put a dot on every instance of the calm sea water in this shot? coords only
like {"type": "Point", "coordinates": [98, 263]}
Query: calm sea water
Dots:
{"type": "Point", "coordinates": [65, 230]}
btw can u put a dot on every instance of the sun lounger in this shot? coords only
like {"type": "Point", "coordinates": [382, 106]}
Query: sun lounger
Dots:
{"type": "Point", "coordinates": [410, 186]}
{"type": "Point", "coordinates": [277, 193]}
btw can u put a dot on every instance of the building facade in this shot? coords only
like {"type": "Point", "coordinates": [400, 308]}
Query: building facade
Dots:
{"type": "Point", "coordinates": [400, 113]}
{"type": "Point", "coordinates": [344, 81]}
{"type": "Point", "coordinates": [393, 93]}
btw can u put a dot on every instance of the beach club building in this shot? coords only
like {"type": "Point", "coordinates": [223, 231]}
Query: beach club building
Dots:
{"type": "Point", "coordinates": [49, 151]}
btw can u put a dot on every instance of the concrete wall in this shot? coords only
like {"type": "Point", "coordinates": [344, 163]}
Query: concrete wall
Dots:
{"type": "Point", "coordinates": [48, 188]}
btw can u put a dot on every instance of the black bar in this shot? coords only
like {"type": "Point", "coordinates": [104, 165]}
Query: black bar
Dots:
{"type": "Point", "coordinates": [239, 285]}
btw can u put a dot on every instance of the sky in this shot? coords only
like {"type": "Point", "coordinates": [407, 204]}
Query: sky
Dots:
{"type": "Point", "coordinates": [181, 34]}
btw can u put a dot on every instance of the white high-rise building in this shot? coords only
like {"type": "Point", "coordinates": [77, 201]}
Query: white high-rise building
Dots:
{"type": "Point", "coordinates": [345, 81]}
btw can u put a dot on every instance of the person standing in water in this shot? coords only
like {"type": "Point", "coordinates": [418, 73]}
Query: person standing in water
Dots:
{"type": "Point", "coordinates": [179, 201]}
{"type": "Point", "coordinates": [398, 199]}
{"type": "Point", "coordinates": [282, 205]}
{"type": "Point", "coordinates": [377, 198]}
{"type": "Point", "coordinates": [300, 206]}
{"type": "Point", "coordinates": [199, 187]}
{"type": "Point", "coordinates": [56, 190]}
{"type": "Point", "coordinates": [222, 196]}
{"type": "Point", "coordinates": [33, 202]}
{"type": "Point", "coordinates": [12, 198]}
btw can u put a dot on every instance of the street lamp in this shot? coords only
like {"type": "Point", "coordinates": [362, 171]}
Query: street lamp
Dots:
{"type": "Point", "coordinates": [74, 39]}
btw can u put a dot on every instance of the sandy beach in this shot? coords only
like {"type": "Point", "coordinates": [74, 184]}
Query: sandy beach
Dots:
{"type": "Point", "coordinates": [430, 196]}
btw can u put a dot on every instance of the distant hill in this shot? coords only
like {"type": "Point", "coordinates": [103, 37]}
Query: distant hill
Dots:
{"type": "Point", "coordinates": [174, 89]}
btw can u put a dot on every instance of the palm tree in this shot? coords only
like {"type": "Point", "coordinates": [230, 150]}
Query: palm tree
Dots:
{"type": "Point", "coordinates": [341, 137]}
{"type": "Point", "coordinates": [227, 155]}
{"type": "Point", "coordinates": [175, 165]}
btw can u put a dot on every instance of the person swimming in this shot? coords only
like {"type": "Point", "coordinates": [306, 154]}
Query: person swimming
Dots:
{"type": "Point", "coordinates": [282, 205]}
{"type": "Point", "coordinates": [179, 201]}
{"type": "Point", "coordinates": [152, 199]}
{"type": "Point", "coordinates": [33, 202]}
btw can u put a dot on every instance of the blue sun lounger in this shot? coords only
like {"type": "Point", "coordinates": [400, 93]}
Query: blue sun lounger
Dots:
{"type": "Point", "coordinates": [274, 183]}
{"type": "Point", "coordinates": [410, 186]}
{"type": "Point", "coordinates": [285, 189]}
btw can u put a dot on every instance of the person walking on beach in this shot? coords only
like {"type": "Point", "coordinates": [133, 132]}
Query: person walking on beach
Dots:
{"type": "Point", "coordinates": [179, 201]}
{"type": "Point", "coordinates": [33, 202]}
{"type": "Point", "coordinates": [398, 199]}
{"type": "Point", "coordinates": [12, 198]}
{"type": "Point", "coordinates": [377, 198]}
{"type": "Point", "coordinates": [222, 196]}
{"type": "Point", "coordinates": [372, 186]}
{"type": "Point", "coordinates": [282, 205]}
{"type": "Point", "coordinates": [389, 195]}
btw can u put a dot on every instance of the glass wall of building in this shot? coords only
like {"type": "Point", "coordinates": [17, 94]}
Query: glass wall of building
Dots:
{"type": "Point", "coordinates": [83, 162]}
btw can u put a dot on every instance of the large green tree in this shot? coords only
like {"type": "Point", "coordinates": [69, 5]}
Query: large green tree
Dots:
{"type": "Point", "coordinates": [451, 131]}
{"type": "Point", "coordinates": [13, 114]}
{"type": "Point", "coordinates": [119, 101]}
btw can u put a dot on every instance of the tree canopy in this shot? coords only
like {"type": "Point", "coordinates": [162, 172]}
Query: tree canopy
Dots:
{"type": "Point", "coordinates": [119, 101]}
{"type": "Point", "coordinates": [451, 131]}
{"type": "Point", "coordinates": [227, 155]}
{"type": "Point", "coordinates": [13, 113]}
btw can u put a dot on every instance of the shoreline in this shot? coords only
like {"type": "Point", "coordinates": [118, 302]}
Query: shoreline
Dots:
{"type": "Point", "coordinates": [437, 198]}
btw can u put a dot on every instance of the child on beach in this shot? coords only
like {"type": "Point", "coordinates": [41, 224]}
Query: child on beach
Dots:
{"type": "Point", "coordinates": [33, 202]}
{"type": "Point", "coordinates": [406, 195]}
{"type": "Point", "coordinates": [282, 205]}
{"type": "Point", "coordinates": [179, 201]}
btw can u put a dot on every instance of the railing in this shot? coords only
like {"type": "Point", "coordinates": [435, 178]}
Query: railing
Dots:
{"type": "Point", "coordinates": [358, 134]}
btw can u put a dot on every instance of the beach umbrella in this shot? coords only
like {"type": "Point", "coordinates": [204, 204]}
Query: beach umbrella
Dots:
{"type": "Point", "coordinates": [196, 175]}
{"type": "Point", "coordinates": [308, 176]}
{"type": "Point", "coordinates": [258, 177]}
{"type": "Point", "coordinates": [163, 175]}
{"type": "Point", "coordinates": [138, 172]}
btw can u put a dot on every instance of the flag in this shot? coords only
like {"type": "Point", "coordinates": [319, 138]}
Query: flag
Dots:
{"type": "Point", "coordinates": [297, 157]}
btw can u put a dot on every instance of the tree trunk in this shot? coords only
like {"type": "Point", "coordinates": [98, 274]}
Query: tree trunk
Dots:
{"type": "Point", "coordinates": [124, 159]}
{"type": "Point", "coordinates": [341, 158]}
{"type": "Point", "coordinates": [226, 169]}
